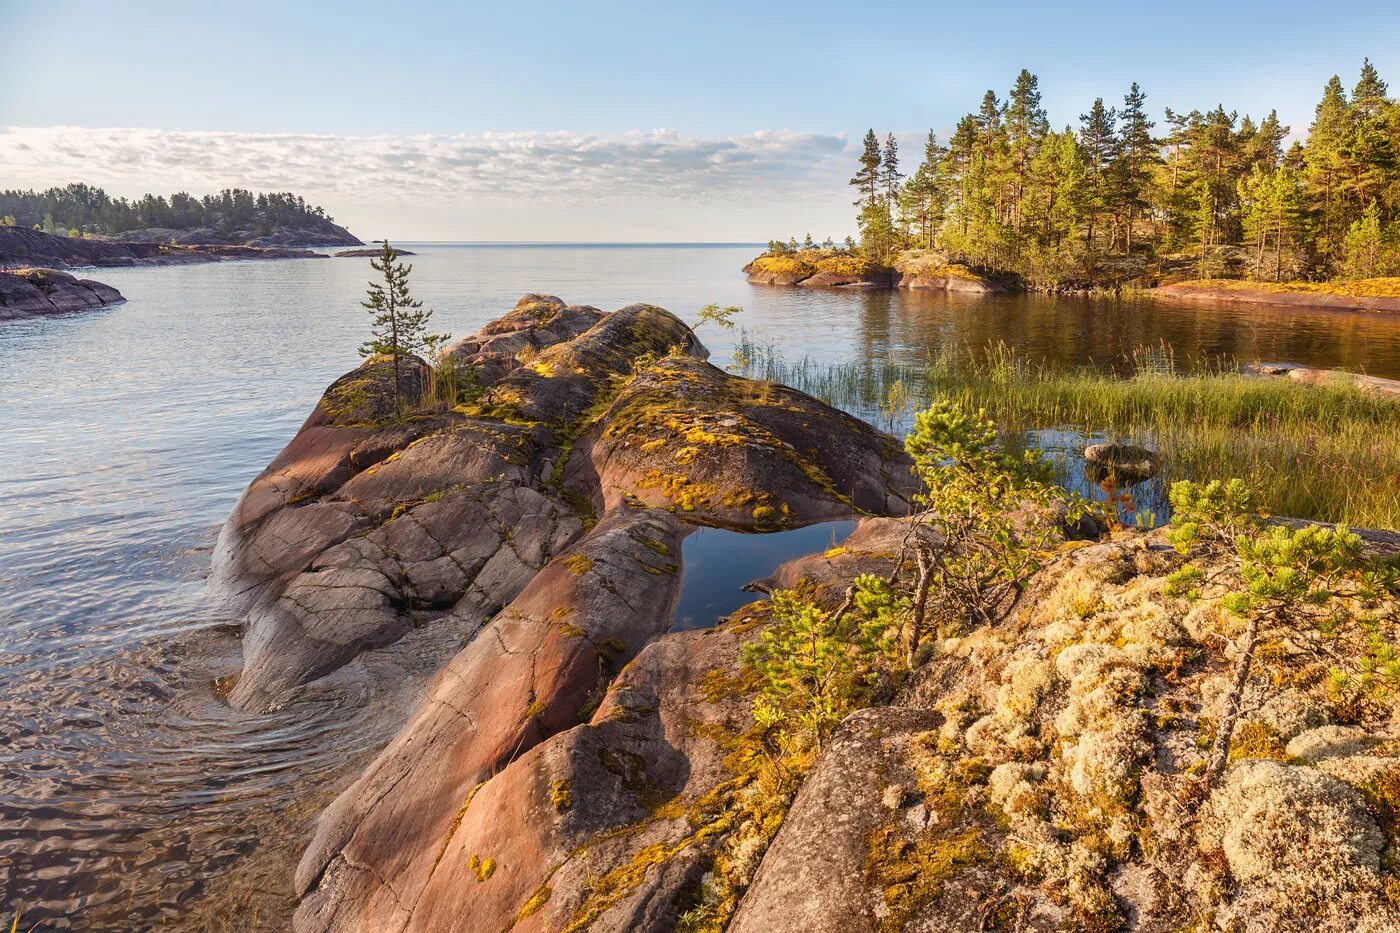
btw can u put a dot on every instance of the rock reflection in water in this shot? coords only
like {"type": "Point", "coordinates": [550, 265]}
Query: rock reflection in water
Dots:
{"type": "Point", "coordinates": [717, 564]}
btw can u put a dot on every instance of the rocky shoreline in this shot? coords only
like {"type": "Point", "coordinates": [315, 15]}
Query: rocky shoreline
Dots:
{"type": "Point", "coordinates": [577, 765]}
{"type": "Point", "coordinates": [933, 271]}
{"type": "Point", "coordinates": [39, 292]}
{"type": "Point", "coordinates": [827, 268]}
{"type": "Point", "coordinates": [21, 249]}
{"type": "Point", "coordinates": [1245, 293]}
{"type": "Point", "coordinates": [369, 251]}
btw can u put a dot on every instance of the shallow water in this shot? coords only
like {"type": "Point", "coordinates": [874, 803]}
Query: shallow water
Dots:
{"type": "Point", "coordinates": [718, 563]}
{"type": "Point", "coordinates": [128, 789]}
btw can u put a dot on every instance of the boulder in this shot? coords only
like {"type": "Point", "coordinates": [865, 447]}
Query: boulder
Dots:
{"type": "Point", "coordinates": [735, 453]}
{"type": "Point", "coordinates": [1127, 464]}
{"type": "Point", "coordinates": [821, 874]}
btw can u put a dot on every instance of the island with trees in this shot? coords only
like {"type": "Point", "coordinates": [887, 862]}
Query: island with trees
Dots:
{"type": "Point", "coordinates": [233, 217]}
{"type": "Point", "coordinates": [1210, 203]}
{"type": "Point", "coordinates": [78, 225]}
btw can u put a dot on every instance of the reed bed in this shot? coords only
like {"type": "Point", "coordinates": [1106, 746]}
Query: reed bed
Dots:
{"type": "Point", "coordinates": [1328, 452]}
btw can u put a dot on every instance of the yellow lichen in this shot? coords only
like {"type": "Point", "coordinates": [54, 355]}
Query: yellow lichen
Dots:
{"type": "Point", "coordinates": [483, 868]}
{"type": "Point", "coordinates": [535, 903]}
{"type": "Point", "coordinates": [578, 564]}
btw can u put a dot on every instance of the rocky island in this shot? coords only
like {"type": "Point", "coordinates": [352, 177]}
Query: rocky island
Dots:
{"type": "Point", "coordinates": [576, 764]}
{"type": "Point", "coordinates": [78, 225]}
{"type": "Point", "coordinates": [833, 268]}
{"type": "Point", "coordinates": [37, 292]}
{"type": "Point", "coordinates": [23, 248]}
{"type": "Point", "coordinates": [369, 252]}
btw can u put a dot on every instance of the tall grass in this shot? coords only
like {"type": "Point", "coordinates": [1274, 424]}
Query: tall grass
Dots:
{"type": "Point", "coordinates": [1328, 452]}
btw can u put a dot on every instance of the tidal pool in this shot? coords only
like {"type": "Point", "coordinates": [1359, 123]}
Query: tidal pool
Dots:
{"type": "Point", "coordinates": [716, 564]}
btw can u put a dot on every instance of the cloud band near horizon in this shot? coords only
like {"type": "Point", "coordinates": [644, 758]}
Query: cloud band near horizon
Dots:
{"type": "Point", "coordinates": [538, 166]}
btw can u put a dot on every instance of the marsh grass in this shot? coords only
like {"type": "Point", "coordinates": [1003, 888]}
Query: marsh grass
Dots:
{"type": "Point", "coordinates": [1329, 452]}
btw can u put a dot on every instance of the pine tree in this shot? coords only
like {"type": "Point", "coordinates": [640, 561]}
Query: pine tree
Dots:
{"type": "Point", "coordinates": [1369, 95]}
{"type": "Point", "coordinates": [1098, 138]}
{"type": "Point", "coordinates": [400, 323]}
{"type": "Point", "coordinates": [890, 179]}
{"type": "Point", "coordinates": [1137, 153]}
{"type": "Point", "coordinates": [867, 179]}
{"type": "Point", "coordinates": [923, 200]}
{"type": "Point", "coordinates": [890, 176]}
{"type": "Point", "coordinates": [1325, 160]}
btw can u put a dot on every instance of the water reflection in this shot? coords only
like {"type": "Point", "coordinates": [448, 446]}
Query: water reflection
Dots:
{"type": "Point", "coordinates": [718, 563]}
{"type": "Point", "coordinates": [1102, 333]}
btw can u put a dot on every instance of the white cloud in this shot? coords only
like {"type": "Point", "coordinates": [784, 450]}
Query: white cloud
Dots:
{"type": "Point", "coordinates": [493, 169]}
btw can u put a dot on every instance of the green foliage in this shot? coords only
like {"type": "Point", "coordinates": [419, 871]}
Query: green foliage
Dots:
{"type": "Point", "coordinates": [1011, 194]}
{"type": "Point", "coordinates": [92, 210]}
{"type": "Point", "coordinates": [1310, 584]}
{"type": "Point", "coordinates": [720, 317]}
{"type": "Point", "coordinates": [814, 667]}
{"type": "Point", "coordinates": [992, 514]}
{"type": "Point", "coordinates": [399, 326]}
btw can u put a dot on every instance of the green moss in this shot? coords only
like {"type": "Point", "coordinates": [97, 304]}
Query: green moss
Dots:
{"type": "Point", "coordinates": [607, 890]}
{"type": "Point", "coordinates": [1256, 740]}
{"type": "Point", "coordinates": [911, 873]}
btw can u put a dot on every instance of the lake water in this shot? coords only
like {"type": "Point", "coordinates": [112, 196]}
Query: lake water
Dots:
{"type": "Point", "coordinates": [129, 793]}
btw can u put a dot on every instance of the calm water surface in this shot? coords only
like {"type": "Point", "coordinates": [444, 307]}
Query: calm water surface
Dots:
{"type": "Point", "coordinates": [129, 792]}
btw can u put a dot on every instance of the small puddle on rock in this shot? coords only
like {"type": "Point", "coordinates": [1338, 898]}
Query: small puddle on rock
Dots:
{"type": "Point", "coordinates": [718, 563]}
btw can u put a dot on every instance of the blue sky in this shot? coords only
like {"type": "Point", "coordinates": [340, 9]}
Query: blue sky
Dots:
{"type": "Point", "coordinates": [602, 120]}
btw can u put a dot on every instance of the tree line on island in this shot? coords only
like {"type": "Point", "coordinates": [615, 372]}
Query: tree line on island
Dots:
{"type": "Point", "coordinates": [1222, 194]}
{"type": "Point", "coordinates": [79, 209]}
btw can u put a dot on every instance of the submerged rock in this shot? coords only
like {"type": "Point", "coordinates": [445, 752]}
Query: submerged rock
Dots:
{"type": "Point", "coordinates": [1122, 463]}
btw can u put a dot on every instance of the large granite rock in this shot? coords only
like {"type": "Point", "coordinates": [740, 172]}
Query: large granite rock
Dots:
{"type": "Point", "coordinates": [37, 292]}
{"type": "Point", "coordinates": [609, 824]}
{"type": "Point", "coordinates": [541, 522]}
{"type": "Point", "coordinates": [369, 524]}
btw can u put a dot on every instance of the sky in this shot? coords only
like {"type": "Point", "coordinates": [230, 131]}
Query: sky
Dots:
{"type": "Point", "coordinates": [604, 121]}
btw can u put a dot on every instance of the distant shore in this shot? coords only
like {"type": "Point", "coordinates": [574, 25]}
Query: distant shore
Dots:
{"type": "Point", "coordinates": [22, 248]}
{"type": "Point", "coordinates": [932, 271]}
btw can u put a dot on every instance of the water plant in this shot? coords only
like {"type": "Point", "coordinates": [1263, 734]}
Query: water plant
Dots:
{"type": "Point", "coordinates": [1320, 452]}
